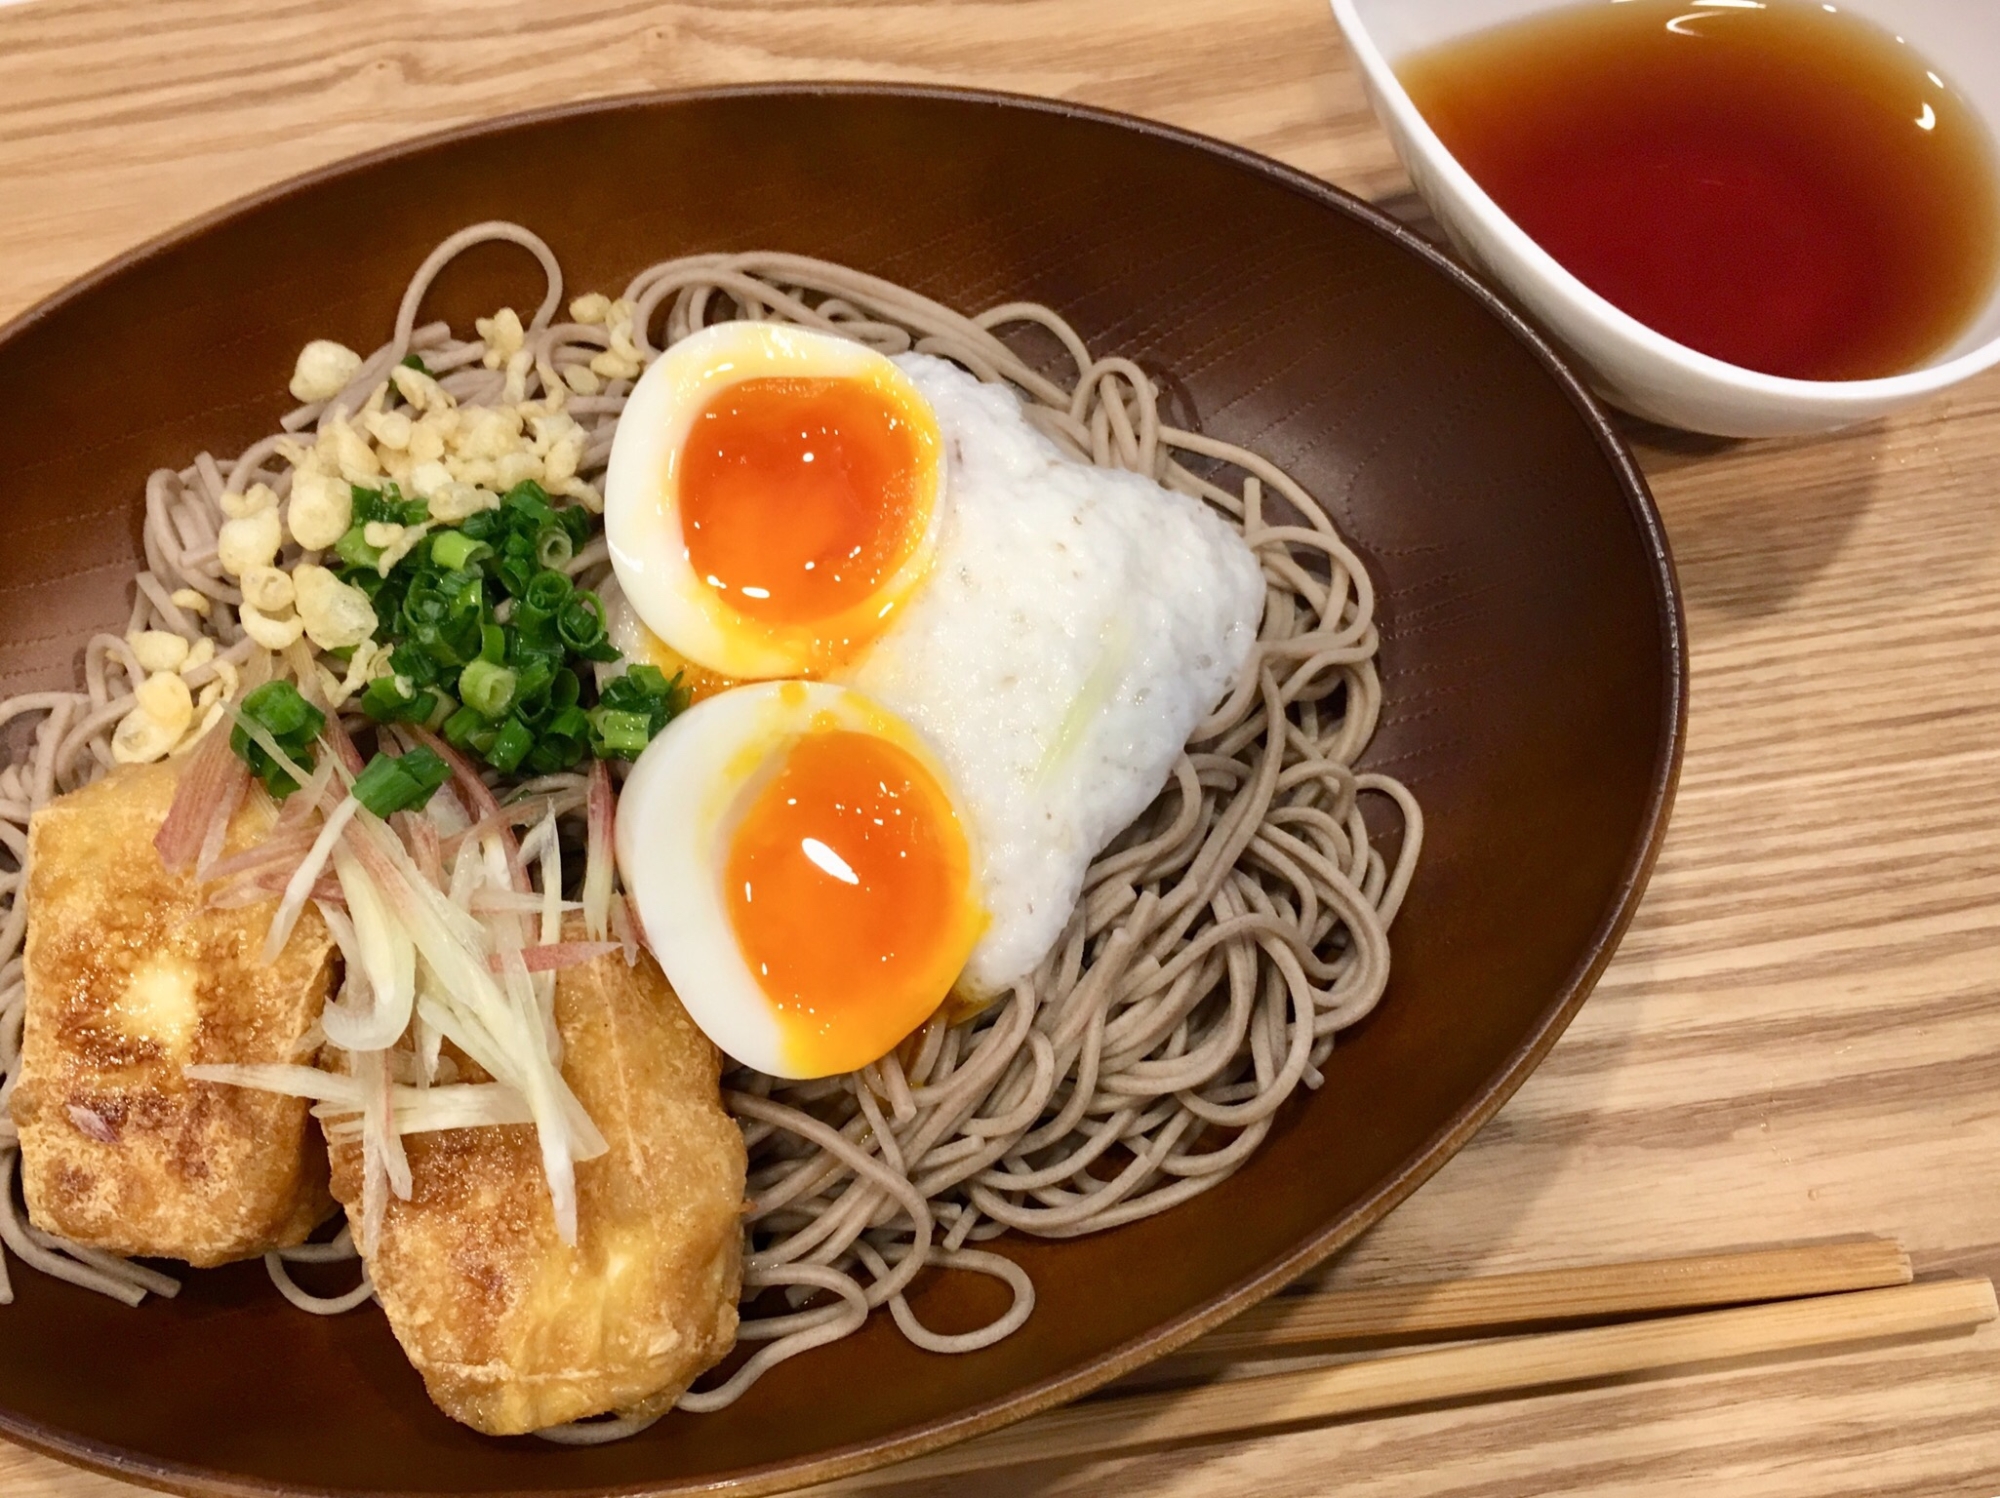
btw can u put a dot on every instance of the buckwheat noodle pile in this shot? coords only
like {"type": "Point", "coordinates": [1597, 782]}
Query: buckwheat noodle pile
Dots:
{"type": "Point", "coordinates": [1218, 946]}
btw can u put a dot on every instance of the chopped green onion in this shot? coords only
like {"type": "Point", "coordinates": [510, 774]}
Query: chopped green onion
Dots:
{"type": "Point", "coordinates": [619, 735]}
{"type": "Point", "coordinates": [455, 551]}
{"type": "Point", "coordinates": [530, 501]}
{"type": "Point", "coordinates": [413, 665]}
{"type": "Point", "coordinates": [548, 592]}
{"type": "Point", "coordinates": [490, 641]}
{"type": "Point", "coordinates": [461, 726]}
{"type": "Point", "coordinates": [637, 687]}
{"type": "Point", "coordinates": [576, 520]}
{"type": "Point", "coordinates": [487, 688]}
{"type": "Point", "coordinates": [533, 625]}
{"type": "Point", "coordinates": [580, 624]}
{"type": "Point", "coordinates": [554, 547]}
{"type": "Point", "coordinates": [510, 746]}
{"type": "Point", "coordinates": [515, 573]}
{"type": "Point", "coordinates": [381, 593]}
{"type": "Point", "coordinates": [278, 706]}
{"type": "Point", "coordinates": [384, 699]}
{"type": "Point", "coordinates": [400, 783]}
{"type": "Point", "coordinates": [387, 503]}
{"type": "Point", "coordinates": [565, 738]}
{"type": "Point", "coordinates": [353, 549]}
{"type": "Point", "coordinates": [531, 692]}
{"type": "Point", "coordinates": [293, 724]}
{"type": "Point", "coordinates": [567, 723]}
{"type": "Point", "coordinates": [411, 361]}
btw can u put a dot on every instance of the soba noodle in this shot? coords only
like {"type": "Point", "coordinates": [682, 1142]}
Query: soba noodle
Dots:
{"type": "Point", "coordinates": [1218, 946]}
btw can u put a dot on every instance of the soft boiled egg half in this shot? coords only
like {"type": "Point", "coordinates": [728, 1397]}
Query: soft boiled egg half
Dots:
{"type": "Point", "coordinates": [803, 872]}
{"type": "Point", "coordinates": [773, 497]}
{"type": "Point", "coordinates": [988, 684]}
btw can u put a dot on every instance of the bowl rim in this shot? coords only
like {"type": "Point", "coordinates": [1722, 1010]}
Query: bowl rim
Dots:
{"type": "Point", "coordinates": [1075, 1381]}
{"type": "Point", "coordinates": [1609, 321]}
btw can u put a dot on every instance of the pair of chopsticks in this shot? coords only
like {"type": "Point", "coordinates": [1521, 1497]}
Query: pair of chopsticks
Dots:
{"type": "Point", "coordinates": [1780, 1301]}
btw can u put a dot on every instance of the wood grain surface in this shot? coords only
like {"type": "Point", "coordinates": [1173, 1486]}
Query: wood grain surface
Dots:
{"type": "Point", "coordinates": [1800, 1039]}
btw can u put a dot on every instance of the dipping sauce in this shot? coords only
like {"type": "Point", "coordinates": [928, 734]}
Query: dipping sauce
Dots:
{"type": "Point", "coordinates": [1779, 185]}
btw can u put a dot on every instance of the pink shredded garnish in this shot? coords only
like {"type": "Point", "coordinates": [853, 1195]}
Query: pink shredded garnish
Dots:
{"type": "Point", "coordinates": [218, 825]}
{"type": "Point", "coordinates": [598, 855]}
{"type": "Point", "coordinates": [203, 785]}
{"type": "Point", "coordinates": [487, 900]}
{"type": "Point", "coordinates": [448, 811]}
{"type": "Point", "coordinates": [479, 798]}
{"type": "Point", "coordinates": [378, 1128]}
{"type": "Point", "coordinates": [420, 836]}
{"type": "Point", "coordinates": [378, 865]}
{"type": "Point", "coordinates": [286, 847]}
{"type": "Point", "coordinates": [343, 746]}
{"type": "Point", "coordinates": [310, 798]}
{"type": "Point", "coordinates": [92, 1124]}
{"type": "Point", "coordinates": [514, 814]}
{"type": "Point", "coordinates": [261, 886]}
{"type": "Point", "coordinates": [374, 1162]}
{"type": "Point", "coordinates": [626, 924]}
{"type": "Point", "coordinates": [552, 956]}
{"type": "Point", "coordinates": [283, 851]}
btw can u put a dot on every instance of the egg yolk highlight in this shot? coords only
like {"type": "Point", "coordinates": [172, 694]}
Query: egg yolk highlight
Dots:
{"type": "Point", "coordinates": [847, 883]}
{"type": "Point", "coordinates": [801, 497]}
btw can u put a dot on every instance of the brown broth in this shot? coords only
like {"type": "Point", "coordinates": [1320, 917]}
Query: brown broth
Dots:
{"type": "Point", "coordinates": [1782, 186]}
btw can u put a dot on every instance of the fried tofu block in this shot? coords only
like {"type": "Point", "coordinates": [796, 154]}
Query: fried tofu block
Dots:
{"type": "Point", "coordinates": [131, 978]}
{"type": "Point", "coordinates": [511, 1329]}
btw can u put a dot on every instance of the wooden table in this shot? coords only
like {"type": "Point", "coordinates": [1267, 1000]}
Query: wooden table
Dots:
{"type": "Point", "coordinates": [1801, 1036]}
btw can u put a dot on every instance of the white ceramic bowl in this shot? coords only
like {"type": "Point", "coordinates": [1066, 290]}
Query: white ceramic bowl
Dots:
{"type": "Point", "coordinates": [1631, 365]}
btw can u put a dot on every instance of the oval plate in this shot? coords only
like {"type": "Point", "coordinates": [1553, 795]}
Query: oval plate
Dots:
{"type": "Point", "coordinates": [1532, 664]}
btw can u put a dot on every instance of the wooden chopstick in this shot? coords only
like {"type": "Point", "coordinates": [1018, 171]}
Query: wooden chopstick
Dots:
{"type": "Point", "coordinates": [1459, 1372]}
{"type": "Point", "coordinates": [1513, 1364]}
{"type": "Point", "coordinates": [1588, 1292]}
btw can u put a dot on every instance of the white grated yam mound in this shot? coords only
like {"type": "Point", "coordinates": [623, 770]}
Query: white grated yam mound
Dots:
{"type": "Point", "coordinates": [1077, 624]}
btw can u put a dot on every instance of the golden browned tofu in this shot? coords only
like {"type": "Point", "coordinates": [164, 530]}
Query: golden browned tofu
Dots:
{"type": "Point", "coordinates": [130, 979]}
{"type": "Point", "coordinates": [511, 1329]}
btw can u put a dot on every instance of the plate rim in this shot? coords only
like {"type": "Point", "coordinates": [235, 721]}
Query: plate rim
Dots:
{"type": "Point", "coordinates": [1403, 1181]}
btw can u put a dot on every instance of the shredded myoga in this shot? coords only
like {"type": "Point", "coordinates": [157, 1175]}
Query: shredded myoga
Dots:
{"type": "Point", "coordinates": [1217, 948]}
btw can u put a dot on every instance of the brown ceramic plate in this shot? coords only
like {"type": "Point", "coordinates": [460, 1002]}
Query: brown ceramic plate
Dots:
{"type": "Point", "coordinates": [1532, 662]}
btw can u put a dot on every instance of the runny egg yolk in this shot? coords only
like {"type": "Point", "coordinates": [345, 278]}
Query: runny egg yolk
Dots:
{"type": "Point", "coordinates": [848, 883]}
{"type": "Point", "coordinates": [801, 497]}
